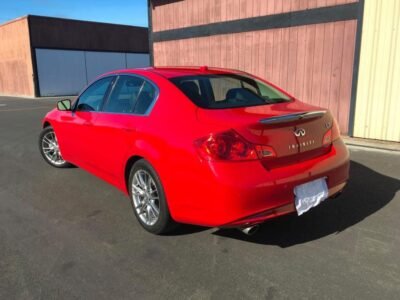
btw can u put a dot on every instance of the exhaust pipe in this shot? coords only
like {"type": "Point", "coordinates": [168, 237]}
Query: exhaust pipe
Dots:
{"type": "Point", "coordinates": [249, 230]}
{"type": "Point", "coordinates": [337, 195]}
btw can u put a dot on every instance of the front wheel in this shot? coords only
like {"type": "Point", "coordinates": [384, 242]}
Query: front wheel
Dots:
{"type": "Point", "coordinates": [48, 146]}
{"type": "Point", "coordinates": [148, 199]}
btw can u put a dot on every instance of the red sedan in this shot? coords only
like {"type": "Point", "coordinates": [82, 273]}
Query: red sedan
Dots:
{"type": "Point", "coordinates": [203, 146]}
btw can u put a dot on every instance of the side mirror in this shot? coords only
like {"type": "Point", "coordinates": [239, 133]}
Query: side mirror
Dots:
{"type": "Point", "coordinates": [64, 105]}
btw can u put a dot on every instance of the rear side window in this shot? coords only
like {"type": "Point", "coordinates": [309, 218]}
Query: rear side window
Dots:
{"type": "Point", "coordinates": [130, 94]}
{"type": "Point", "coordinates": [228, 91]}
{"type": "Point", "coordinates": [145, 98]}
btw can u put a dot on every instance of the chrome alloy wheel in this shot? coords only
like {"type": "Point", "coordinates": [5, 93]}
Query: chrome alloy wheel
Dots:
{"type": "Point", "coordinates": [145, 197]}
{"type": "Point", "coordinates": [51, 150]}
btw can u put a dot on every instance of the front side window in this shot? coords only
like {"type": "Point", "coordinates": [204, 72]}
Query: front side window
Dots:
{"type": "Point", "coordinates": [130, 94]}
{"type": "Point", "coordinates": [228, 91]}
{"type": "Point", "coordinates": [92, 98]}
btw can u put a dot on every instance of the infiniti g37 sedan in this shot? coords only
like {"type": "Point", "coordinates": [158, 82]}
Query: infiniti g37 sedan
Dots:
{"type": "Point", "coordinates": [204, 146]}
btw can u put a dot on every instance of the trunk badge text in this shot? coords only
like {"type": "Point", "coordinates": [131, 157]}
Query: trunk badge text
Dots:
{"type": "Point", "coordinates": [300, 132]}
{"type": "Point", "coordinates": [302, 144]}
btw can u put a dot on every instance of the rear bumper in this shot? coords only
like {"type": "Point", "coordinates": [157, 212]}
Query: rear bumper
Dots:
{"type": "Point", "coordinates": [245, 193]}
{"type": "Point", "coordinates": [277, 211]}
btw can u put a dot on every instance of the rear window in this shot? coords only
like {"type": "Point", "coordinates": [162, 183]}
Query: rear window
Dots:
{"type": "Point", "coordinates": [228, 91]}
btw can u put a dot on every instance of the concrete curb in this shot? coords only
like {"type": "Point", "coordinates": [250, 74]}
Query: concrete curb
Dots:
{"type": "Point", "coordinates": [372, 144]}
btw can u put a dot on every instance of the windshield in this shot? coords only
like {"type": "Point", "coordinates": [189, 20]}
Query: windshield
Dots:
{"type": "Point", "coordinates": [228, 91]}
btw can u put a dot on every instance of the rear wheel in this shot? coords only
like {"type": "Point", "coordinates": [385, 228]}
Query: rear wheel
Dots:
{"type": "Point", "coordinates": [148, 199]}
{"type": "Point", "coordinates": [48, 146]}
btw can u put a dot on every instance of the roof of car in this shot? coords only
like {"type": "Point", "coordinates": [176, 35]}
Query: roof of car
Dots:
{"type": "Point", "coordinates": [171, 72]}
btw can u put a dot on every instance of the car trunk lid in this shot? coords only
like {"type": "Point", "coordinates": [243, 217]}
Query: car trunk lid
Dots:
{"type": "Point", "coordinates": [295, 130]}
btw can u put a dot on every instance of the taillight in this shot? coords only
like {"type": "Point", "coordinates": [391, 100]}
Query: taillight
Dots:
{"type": "Point", "coordinates": [327, 139]}
{"type": "Point", "coordinates": [229, 145]}
{"type": "Point", "coordinates": [335, 131]}
{"type": "Point", "coordinates": [265, 151]}
{"type": "Point", "coordinates": [332, 134]}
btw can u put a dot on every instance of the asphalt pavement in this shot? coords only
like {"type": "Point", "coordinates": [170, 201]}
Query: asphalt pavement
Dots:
{"type": "Point", "coordinates": [65, 234]}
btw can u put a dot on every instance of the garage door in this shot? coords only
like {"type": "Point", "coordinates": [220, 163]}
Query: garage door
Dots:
{"type": "Point", "coordinates": [98, 63]}
{"type": "Point", "coordinates": [137, 60]}
{"type": "Point", "coordinates": [60, 72]}
{"type": "Point", "coordinates": [67, 72]}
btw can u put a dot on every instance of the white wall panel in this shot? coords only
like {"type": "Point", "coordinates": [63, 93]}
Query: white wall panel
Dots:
{"type": "Point", "coordinates": [98, 63]}
{"type": "Point", "coordinates": [137, 60]}
{"type": "Point", "coordinates": [60, 72]}
{"type": "Point", "coordinates": [378, 105]}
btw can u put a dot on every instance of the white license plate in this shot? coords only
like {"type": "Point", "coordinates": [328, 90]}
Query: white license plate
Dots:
{"type": "Point", "coordinates": [310, 194]}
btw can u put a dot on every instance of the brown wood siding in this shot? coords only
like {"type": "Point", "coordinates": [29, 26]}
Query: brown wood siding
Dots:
{"type": "Point", "coordinates": [313, 62]}
{"type": "Point", "coordinates": [16, 74]}
{"type": "Point", "coordinates": [184, 13]}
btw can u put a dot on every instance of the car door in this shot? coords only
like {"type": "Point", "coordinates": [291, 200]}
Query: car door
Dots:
{"type": "Point", "coordinates": [117, 125]}
{"type": "Point", "coordinates": [76, 136]}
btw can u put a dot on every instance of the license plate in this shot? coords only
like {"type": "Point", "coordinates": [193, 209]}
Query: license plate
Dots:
{"type": "Point", "coordinates": [310, 194]}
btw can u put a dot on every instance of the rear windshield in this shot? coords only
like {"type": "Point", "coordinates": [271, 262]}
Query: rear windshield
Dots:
{"type": "Point", "coordinates": [228, 91]}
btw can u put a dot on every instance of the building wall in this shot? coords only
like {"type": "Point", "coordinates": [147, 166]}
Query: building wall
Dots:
{"type": "Point", "coordinates": [184, 13]}
{"type": "Point", "coordinates": [378, 102]}
{"type": "Point", "coordinates": [313, 62]}
{"type": "Point", "coordinates": [104, 47]}
{"type": "Point", "coordinates": [47, 32]}
{"type": "Point", "coordinates": [16, 73]}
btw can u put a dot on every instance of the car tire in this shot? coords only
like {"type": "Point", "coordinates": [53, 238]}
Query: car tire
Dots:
{"type": "Point", "coordinates": [148, 199]}
{"type": "Point", "coordinates": [48, 147]}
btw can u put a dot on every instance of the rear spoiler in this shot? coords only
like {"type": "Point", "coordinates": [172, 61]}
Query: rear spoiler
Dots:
{"type": "Point", "coordinates": [294, 117]}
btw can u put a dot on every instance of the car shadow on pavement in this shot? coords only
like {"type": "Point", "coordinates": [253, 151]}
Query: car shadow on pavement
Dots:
{"type": "Point", "coordinates": [366, 193]}
{"type": "Point", "coordinates": [186, 229]}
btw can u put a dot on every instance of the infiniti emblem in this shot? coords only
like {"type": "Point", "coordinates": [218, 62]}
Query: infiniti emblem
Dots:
{"type": "Point", "coordinates": [300, 132]}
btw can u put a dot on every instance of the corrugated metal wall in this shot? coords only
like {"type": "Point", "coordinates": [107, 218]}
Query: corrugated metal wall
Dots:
{"type": "Point", "coordinates": [378, 94]}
